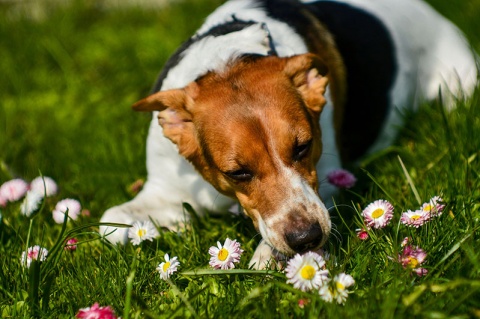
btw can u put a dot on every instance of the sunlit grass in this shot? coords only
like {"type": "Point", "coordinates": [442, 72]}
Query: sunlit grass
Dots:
{"type": "Point", "coordinates": [66, 88]}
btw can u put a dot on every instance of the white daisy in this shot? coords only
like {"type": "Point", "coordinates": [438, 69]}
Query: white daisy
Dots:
{"type": "Point", "coordinates": [31, 203]}
{"type": "Point", "coordinates": [306, 271]}
{"type": "Point", "coordinates": [414, 218]}
{"type": "Point", "coordinates": [342, 282]}
{"type": "Point", "coordinates": [44, 185]}
{"type": "Point", "coordinates": [33, 253]}
{"type": "Point", "coordinates": [378, 214]}
{"type": "Point", "coordinates": [141, 231]}
{"type": "Point", "coordinates": [72, 205]}
{"type": "Point", "coordinates": [336, 289]}
{"type": "Point", "coordinates": [225, 257]}
{"type": "Point", "coordinates": [168, 267]}
{"type": "Point", "coordinates": [13, 190]}
{"type": "Point", "coordinates": [434, 207]}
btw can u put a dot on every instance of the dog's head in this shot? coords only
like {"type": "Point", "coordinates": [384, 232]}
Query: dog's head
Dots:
{"type": "Point", "coordinates": [253, 132]}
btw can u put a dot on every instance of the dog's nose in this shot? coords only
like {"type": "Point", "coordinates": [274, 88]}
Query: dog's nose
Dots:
{"type": "Point", "coordinates": [306, 239]}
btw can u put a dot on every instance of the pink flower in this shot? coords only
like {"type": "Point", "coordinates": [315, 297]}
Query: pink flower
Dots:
{"type": "Point", "coordinates": [13, 190]}
{"type": "Point", "coordinates": [362, 234]}
{"type": "Point", "coordinates": [44, 185]}
{"type": "Point", "coordinates": [33, 253]}
{"type": "Point", "coordinates": [96, 312]}
{"type": "Point", "coordinates": [420, 271]}
{"type": "Point", "coordinates": [71, 244]}
{"type": "Point", "coordinates": [414, 218]}
{"type": "Point", "coordinates": [302, 303]}
{"type": "Point", "coordinates": [3, 201]}
{"type": "Point", "coordinates": [378, 214]}
{"type": "Point", "coordinates": [72, 205]}
{"type": "Point", "coordinates": [434, 207]}
{"type": "Point", "coordinates": [405, 241]}
{"type": "Point", "coordinates": [413, 258]}
{"type": "Point", "coordinates": [341, 178]}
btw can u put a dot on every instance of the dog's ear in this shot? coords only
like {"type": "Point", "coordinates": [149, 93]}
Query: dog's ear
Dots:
{"type": "Point", "coordinates": [174, 115]}
{"type": "Point", "coordinates": [308, 73]}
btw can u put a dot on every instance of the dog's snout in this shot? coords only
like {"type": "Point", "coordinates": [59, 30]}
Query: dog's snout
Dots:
{"type": "Point", "coordinates": [305, 239]}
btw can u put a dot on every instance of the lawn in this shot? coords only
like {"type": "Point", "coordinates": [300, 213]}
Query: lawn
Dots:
{"type": "Point", "coordinates": [67, 82]}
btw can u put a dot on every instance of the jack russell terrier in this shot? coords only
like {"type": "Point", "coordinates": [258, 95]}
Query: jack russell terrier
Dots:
{"type": "Point", "coordinates": [236, 109]}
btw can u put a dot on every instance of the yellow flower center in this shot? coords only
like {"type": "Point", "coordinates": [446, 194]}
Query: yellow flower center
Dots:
{"type": "Point", "coordinates": [166, 266]}
{"type": "Point", "coordinates": [222, 254]}
{"type": "Point", "coordinates": [141, 232]}
{"type": "Point", "coordinates": [307, 272]}
{"type": "Point", "coordinates": [415, 217]}
{"type": "Point", "coordinates": [427, 208]}
{"type": "Point", "coordinates": [413, 262]}
{"type": "Point", "coordinates": [377, 213]}
{"type": "Point", "coordinates": [339, 285]}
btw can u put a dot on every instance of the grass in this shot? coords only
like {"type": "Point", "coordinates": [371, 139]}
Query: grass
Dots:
{"type": "Point", "coordinates": [66, 86]}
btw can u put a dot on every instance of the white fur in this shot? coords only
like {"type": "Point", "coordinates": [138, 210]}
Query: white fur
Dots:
{"type": "Point", "coordinates": [431, 53]}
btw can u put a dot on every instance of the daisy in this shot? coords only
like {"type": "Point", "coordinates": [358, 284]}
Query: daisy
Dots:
{"type": "Point", "coordinates": [13, 190]}
{"type": "Point", "coordinates": [337, 289]}
{"type": "Point", "coordinates": [141, 231]}
{"type": "Point", "coordinates": [326, 291]}
{"type": "Point", "coordinates": [31, 203]}
{"type": "Point", "coordinates": [33, 253]}
{"type": "Point", "coordinates": [306, 272]}
{"type": "Point", "coordinates": [96, 312]}
{"type": "Point", "coordinates": [434, 207]}
{"type": "Point", "coordinates": [71, 244]}
{"type": "Point", "coordinates": [414, 218]}
{"type": "Point", "coordinates": [44, 185]}
{"type": "Point", "coordinates": [168, 267]}
{"type": "Point", "coordinates": [225, 257]}
{"type": "Point", "coordinates": [341, 178]}
{"type": "Point", "coordinates": [72, 205]}
{"type": "Point", "coordinates": [342, 282]}
{"type": "Point", "coordinates": [413, 258]}
{"type": "Point", "coordinates": [378, 214]}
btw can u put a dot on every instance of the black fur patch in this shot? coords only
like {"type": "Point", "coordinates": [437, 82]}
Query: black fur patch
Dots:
{"type": "Point", "coordinates": [368, 53]}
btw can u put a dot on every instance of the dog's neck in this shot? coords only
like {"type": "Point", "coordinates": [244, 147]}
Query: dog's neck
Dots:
{"type": "Point", "coordinates": [213, 51]}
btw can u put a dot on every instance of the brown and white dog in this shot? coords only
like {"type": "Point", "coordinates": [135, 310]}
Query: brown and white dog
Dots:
{"type": "Point", "coordinates": [236, 110]}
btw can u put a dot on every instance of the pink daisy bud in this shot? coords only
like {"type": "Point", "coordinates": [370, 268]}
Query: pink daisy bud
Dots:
{"type": "Point", "coordinates": [71, 244]}
{"type": "Point", "coordinates": [362, 234]}
{"type": "Point", "coordinates": [341, 178]}
{"type": "Point", "coordinates": [96, 312]}
{"type": "Point", "coordinates": [13, 190]}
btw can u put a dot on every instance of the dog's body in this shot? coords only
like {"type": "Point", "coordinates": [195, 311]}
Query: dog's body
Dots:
{"type": "Point", "coordinates": [241, 102]}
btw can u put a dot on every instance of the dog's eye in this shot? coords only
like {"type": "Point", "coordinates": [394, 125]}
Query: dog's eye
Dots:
{"type": "Point", "coordinates": [301, 150]}
{"type": "Point", "coordinates": [240, 175]}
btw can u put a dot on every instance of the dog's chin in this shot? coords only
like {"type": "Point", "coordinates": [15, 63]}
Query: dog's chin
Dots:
{"type": "Point", "coordinates": [287, 252]}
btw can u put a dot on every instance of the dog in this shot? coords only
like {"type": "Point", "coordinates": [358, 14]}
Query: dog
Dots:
{"type": "Point", "coordinates": [270, 95]}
